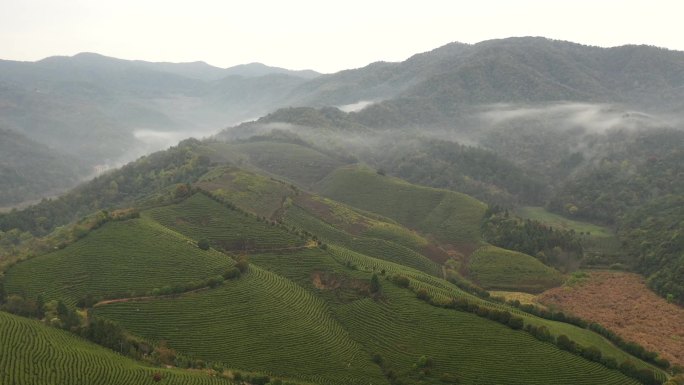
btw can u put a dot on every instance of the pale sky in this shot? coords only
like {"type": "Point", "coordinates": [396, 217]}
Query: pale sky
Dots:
{"type": "Point", "coordinates": [326, 36]}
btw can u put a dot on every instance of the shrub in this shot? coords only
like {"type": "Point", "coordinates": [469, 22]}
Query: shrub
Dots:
{"type": "Point", "coordinates": [203, 244]}
{"type": "Point", "coordinates": [423, 295]}
{"type": "Point", "coordinates": [232, 273]}
{"type": "Point", "coordinates": [374, 284]}
{"type": "Point", "coordinates": [402, 281]}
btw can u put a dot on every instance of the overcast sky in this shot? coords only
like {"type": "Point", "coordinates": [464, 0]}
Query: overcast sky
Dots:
{"type": "Point", "coordinates": [323, 35]}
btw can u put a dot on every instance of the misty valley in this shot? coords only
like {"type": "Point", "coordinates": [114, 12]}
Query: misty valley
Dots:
{"type": "Point", "coordinates": [506, 212]}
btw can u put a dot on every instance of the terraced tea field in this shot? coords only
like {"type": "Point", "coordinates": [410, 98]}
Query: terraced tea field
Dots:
{"type": "Point", "coordinates": [201, 217]}
{"type": "Point", "coordinates": [294, 162]}
{"type": "Point", "coordinates": [260, 322]}
{"type": "Point", "coordinates": [378, 248]}
{"type": "Point", "coordinates": [120, 259]}
{"type": "Point", "coordinates": [34, 354]}
{"type": "Point", "coordinates": [499, 269]}
{"type": "Point", "coordinates": [249, 191]}
{"type": "Point", "coordinates": [463, 345]}
{"type": "Point", "coordinates": [450, 217]}
{"type": "Point", "coordinates": [442, 290]}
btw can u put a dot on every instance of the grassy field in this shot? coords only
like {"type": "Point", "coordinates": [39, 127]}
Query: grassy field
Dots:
{"type": "Point", "coordinates": [261, 322]}
{"type": "Point", "coordinates": [450, 217]}
{"type": "Point", "coordinates": [201, 217]}
{"type": "Point", "coordinates": [524, 298]}
{"type": "Point", "coordinates": [560, 222]}
{"type": "Point", "coordinates": [120, 258]}
{"type": "Point", "coordinates": [496, 268]}
{"type": "Point", "coordinates": [34, 354]}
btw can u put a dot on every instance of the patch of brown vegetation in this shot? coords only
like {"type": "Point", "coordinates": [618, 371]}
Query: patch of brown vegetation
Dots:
{"type": "Point", "coordinates": [324, 280]}
{"type": "Point", "coordinates": [623, 303]}
{"type": "Point", "coordinates": [436, 253]}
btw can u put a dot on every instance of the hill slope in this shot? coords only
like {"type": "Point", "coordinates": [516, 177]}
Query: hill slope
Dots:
{"type": "Point", "coordinates": [450, 217]}
{"type": "Point", "coordinates": [29, 170]}
{"type": "Point", "coordinates": [34, 354]}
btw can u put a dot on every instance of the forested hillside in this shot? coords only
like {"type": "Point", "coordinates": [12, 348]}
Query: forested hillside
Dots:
{"type": "Point", "coordinates": [29, 170]}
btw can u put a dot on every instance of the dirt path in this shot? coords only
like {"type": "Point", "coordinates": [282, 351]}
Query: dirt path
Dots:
{"type": "Point", "coordinates": [146, 298]}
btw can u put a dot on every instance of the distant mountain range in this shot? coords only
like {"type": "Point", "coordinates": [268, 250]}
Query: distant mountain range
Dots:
{"type": "Point", "coordinates": [106, 111]}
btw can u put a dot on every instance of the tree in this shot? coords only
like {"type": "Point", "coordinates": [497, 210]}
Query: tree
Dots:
{"type": "Point", "coordinates": [165, 354]}
{"type": "Point", "coordinates": [203, 244]}
{"type": "Point", "coordinates": [18, 305]}
{"type": "Point", "coordinates": [516, 323]}
{"type": "Point", "coordinates": [565, 343]}
{"type": "Point", "coordinates": [402, 281]}
{"type": "Point", "coordinates": [374, 284]}
{"type": "Point", "coordinates": [2, 292]}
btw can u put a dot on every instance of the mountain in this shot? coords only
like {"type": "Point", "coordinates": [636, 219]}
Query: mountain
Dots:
{"type": "Point", "coordinates": [259, 69]}
{"type": "Point", "coordinates": [106, 111]}
{"type": "Point", "coordinates": [278, 281]}
{"type": "Point", "coordinates": [195, 70]}
{"type": "Point", "coordinates": [31, 171]}
{"type": "Point", "coordinates": [391, 224]}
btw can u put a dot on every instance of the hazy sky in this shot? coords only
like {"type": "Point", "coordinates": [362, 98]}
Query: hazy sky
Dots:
{"type": "Point", "coordinates": [323, 35]}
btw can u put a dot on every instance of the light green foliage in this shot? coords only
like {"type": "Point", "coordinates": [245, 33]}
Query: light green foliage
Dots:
{"type": "Point", "coordinates": [499, 269]}
{"type": "Point", "coordinates": [119, 259]}
{"type": "Point", "coordinates": [34, 354]}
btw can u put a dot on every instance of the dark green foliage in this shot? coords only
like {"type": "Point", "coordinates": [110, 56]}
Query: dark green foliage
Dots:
{"type": "Point", "coordinates": [374, 284]}
{"type": "Point", "coordinates": [16, 304]}
{"type": "Point", "coordinates": [591, 353]}
{"type": "Point", "coordinates": [29, 170]}
{"type": "Point", "coordinates": [401, 280]}
{"type": "Point", "coordinates": [475, 171]}
{"type": "Point", "coordinates": [87, 301]}
{"type": "Point", "coordinates": [423, 295]}
{"type": "Point", "coordinates": [106, 333]}
{"type": "Point", "coordinates": [203, 244]}
{"type": "Point", "coordinates": [654, 237]}
{"type": "Point", "coordinates": [232, 273]}
{"type": "Point", "coordinates": [3, 294]}
{"type": "Point", "coordinates": [563, 342]}
{"type": "Point", "coordinates": [636, 168]}
{"type": "Point", "coordinates": [516, 323]}
{"type": "Point", "coordinates": [531, 237]}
